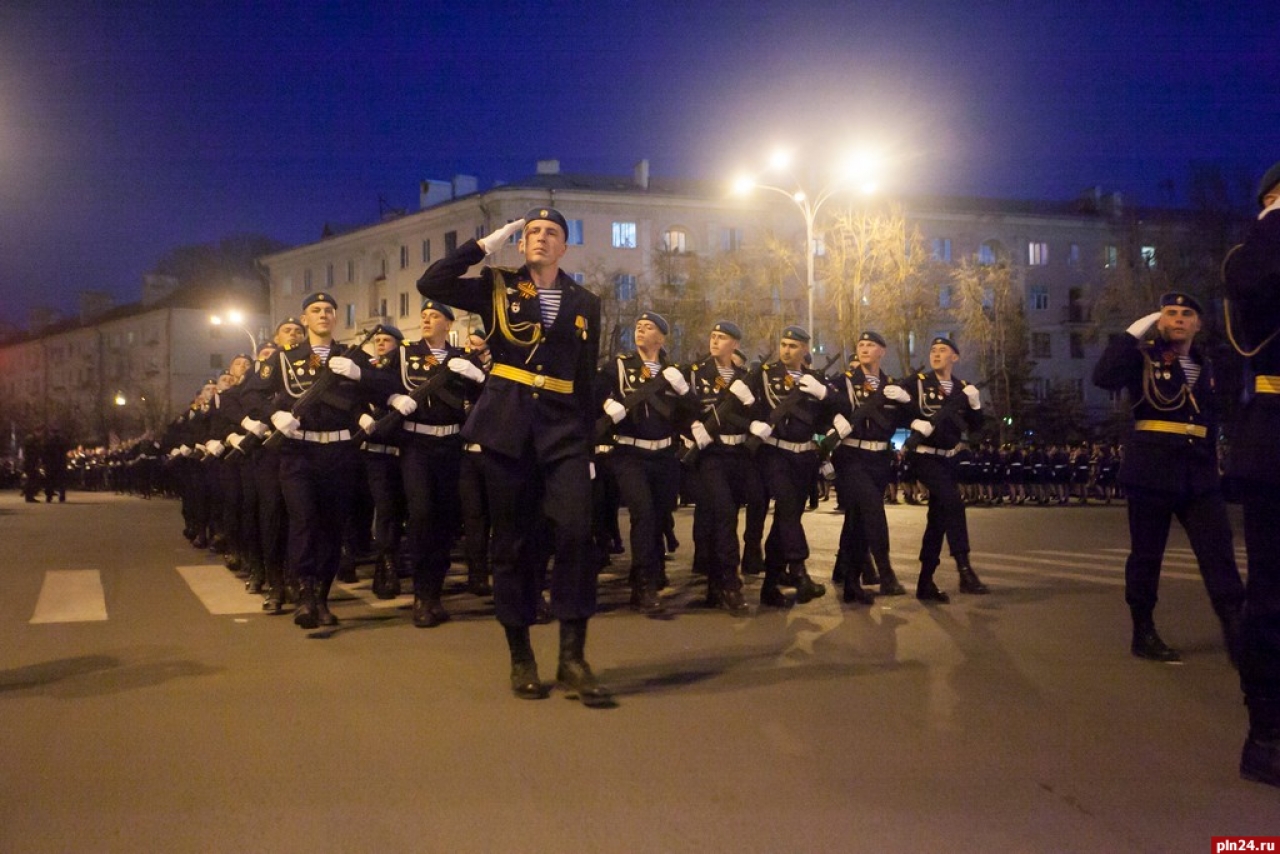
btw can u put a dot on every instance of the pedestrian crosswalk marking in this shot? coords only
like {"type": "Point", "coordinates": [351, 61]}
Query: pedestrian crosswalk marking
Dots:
{"type": "Point", "coordinates": [219, 590]}
{"type": "Point", "coordinates": [1101, 567]}
{"type": "Point", "coordinates": [363, 591]}
{"type": "Point", "coordinates": [71, 596]}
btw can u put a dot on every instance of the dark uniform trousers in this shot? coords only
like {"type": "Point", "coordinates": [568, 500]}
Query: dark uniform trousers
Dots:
{"type": "Point", "coordinates": [382, 473]}
{"type": "Point", "coordinates": [648, 484]}
{"type": "Point", "coordinates": [861, 478]}
{"type": "Point", "coordinates": [272, 523]}
{"type": "Point", "coordinates": [474, 502]}
{"type": "Point", "coordinates": [946, 516]}
{"type": "Point", "coordinates": [250, 539]}
{"type": "Point", "coordinates": [516, 489]}
{"type": "Point", "coordinates": [430, 467]}
{"type": "Point", "coordinates": [724, 480]}
{"type": "Point", "coordinates": [787, 477]}
{"type": "Point", "coordinates": [316, 481]}
{"type": "Point", "coordinates": [1260, 666]}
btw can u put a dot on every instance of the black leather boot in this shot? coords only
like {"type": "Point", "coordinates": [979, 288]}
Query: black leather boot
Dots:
{"type": "Point", "coordinates": [889, 583]}
{"type": "Point", "coordinates": [926, 590]}
{"type": "Point", "coordinates": [855, 592]}
{"type": "Point", "coordinates": [969, 581]}
{"type": "Point", "coordinates": [428, 611]}
{"type": "Point", "coordinates": [574, 674]}
{"type": "Point", "coordinates": [644, 598]}
{"type": "Point", "coordinates": [307, 615]}
{"type": "Point", "coordinates": [323, 614]}
{"type": "Point", "coordinates": [1260, 758]}
{"type": "Point", "coordinates": [525, 683]}
{"type": "Point", "coordinates": [1148, 644]}
{"type": "Point", "coordinates": [806, 588]}
{"type": "Point", "coordinates": [730, 600]}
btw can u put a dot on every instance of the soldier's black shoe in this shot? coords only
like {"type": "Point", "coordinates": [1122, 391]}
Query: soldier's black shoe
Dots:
{"type": "Point", "coordinates": [525, 683]}
{"type": "Point", "coordinates": [347, 570]}
{"type": "Point", "coordinates": [1148, 644]}
{"type": "Point", "coordinates": [274, 601]}
{"type": "Point", "coordinates": [428, 612]}
{"type": "Point", "coordinates": [728, 600]}
{"type": "Point", "coordinates": [929, 592]}
{"type": "Point", "coordinates": [671, 542]}
{"type": "Point", "coordinates": [969, 581]}
{"type": "Point", "coordinates": [889, 584]}
{"type": "Point", "coordinates": [386, 583]}
{"type": "Point", "coordinates": [574, 674]}
{"type": "Point", "coordinates": [199, 541]}
{"type": "Point", "coordinates": [772, 597]}
{"type": "Point", "coordinates": [478, 585]}
{"type": "Point", "coordinates": [307, 615]}
{"type": "Point", "coordinates": [646, 601]}
{"type": "Point", "coordinates": [806, 588]}
{"type": "Point", "coordinates": [855, 592]}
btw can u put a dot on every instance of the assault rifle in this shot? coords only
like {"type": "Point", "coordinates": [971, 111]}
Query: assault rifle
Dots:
{"type": "Point", "coordinates": [647, 393]}
{"type": "Point", "coordinates": [320, 388]}
{"type": "Point", "coordinates": [872, 407]}
{"type": "Point", "coordinates": [389, 424]}
{"type": "Point", "coordinates": [787, 406]}
{"type": "Point", "coordinates": [949, 411]}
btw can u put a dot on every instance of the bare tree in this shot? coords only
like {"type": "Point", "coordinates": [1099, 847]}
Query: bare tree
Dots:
{"type": "Point", "coordinates": [993, 323]}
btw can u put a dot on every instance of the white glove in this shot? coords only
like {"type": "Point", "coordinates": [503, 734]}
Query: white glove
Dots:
{"type": "Point", "coordinates": [616, 411]}
{"type": "Point", "coordinates": [675, 379]}
{"type": "Point", "coordinates": [1139, 327]}
{"type": "Point", "coordinates": [344, 367]}
{"type": "Point", "coordinates": [1269, 208]}
{"type": "Point", "coordinates": [366, 422]}
{"type": "Point", "coordinates": [813, 386]}
{"type": "Point", "coordinates": [465, 369]}
{"type": "Point", "coordinates": [234, 440]}
{"type": "Point", "coordinates": [491, 243]}
{"type": "Point", "coordinates": [924, 428]}
{"type": "Point", "coordinates": [213, 446]}
{"type": "Point", "coordinates": [975, 396]}
{"type": "Point", "coordinates": [185, 450]}
{"type": "Point", "coordinates": [827, 470]}
{"type": "Point", "coordinates": [739, 390]}
{"type": "Point", "coordinates": [173, 452]}
{"type": "Point", "coordinates": [842, 425]}
{"type": "Point", "coordinates": [700, 435]}
{"type": "Point", "coordinates": [897, 394]}
{"type": "Point", "coordinates": [286, 424]}
{"type": "Point", "coordinates": [403, 404]}
{"type": "Point", "coordinates": [591, 470]}
{"type": "Point", "coordinates": [257, 428]}
{"type": "Point", "coordinates": [760, 430]}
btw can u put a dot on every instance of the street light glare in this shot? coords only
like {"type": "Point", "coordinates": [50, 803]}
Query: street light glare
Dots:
{"type": "Point", "coordinates": [215, 320]}
{"type": "Point", "coordinates": [863, 166]}
{"type": "Point", "coordinates": [780, 159]}
{"type": "Point", "coordinates": [743, 184]}
{"type": "Point", "coordinates": [235, 317]}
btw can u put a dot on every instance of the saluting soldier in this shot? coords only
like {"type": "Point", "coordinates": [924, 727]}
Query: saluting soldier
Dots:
{"type": "Point", "coordinates": [934, 464]}
{"type": "Point", "coordinates": [534, 423]}
{"type": "Point", "coordinates": [725, 477]}
{"type": "Point", "coordinates": [793, 402]}
{"type": "Point", "coordinates": [862, 462]}
{"type": "Point", "coordinates": [644, 457]}
{"type": "Point", "coordinates": [1171, 466]}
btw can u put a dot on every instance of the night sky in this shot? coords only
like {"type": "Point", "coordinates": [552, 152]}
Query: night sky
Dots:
{"type": "Point", "coordinates": [128, 128]}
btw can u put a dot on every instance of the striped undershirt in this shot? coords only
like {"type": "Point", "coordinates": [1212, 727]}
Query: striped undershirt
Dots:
{"type": "Point", "coordinates": [947, 385]}
{"type": "Point", "coordinates": [874, 382]}
{"type": "Point", "coordinates": [1190, 368]}
{"type": "Point", "coordinates": [726, 374]}
{"type": "Point", "coordinates": [549, 300]}
{"type": "Point", "coordinates": [655, 368]}
{"type": "Point", "coordinates": [322, 350]}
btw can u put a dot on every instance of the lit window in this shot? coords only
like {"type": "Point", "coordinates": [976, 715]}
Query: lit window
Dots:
{"type": "Point", "coordinates": [675, 240]}
{"type": "Point", "coordinates": [1073, 255]}
{"type": "Point", "coordinates": [624, 285]}
{"type": "Point", "coordinates": [986, 254]}
{"type": "Point", "coordinates": [942, 248]}
{"type": "Point", "coordinates": [574, 237]}
{"type": "Point", "coordinates": [1039, 297]}
{"type": "Point", "coordinates": [1149, 256]}
{"type": "Point", "coordinates": [624, 235]}
{"type": "Point", "coordinates": [1037, 253]}
{"type": "Point", "coordinates": [1110, 256]}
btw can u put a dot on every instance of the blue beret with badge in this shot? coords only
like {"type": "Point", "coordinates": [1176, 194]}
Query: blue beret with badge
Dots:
{"type": "Point", "coordinates": [436, 305]}
{"type": "Point", "coordinates": [795, 333]}
{"type": "Point", "coordinates": [288, 321]}
{"type": "Point", "coordinates": [549, 214]}
{"type": "Point", "coordinates": [948, 342]}
{"type": "Point", "coordinates": [1181, 299]}
{"type": "Point", "coordinates": [656, 319]}
{"type": "Point", "coordinates": [388, 329]}
{"type": "Point", "coordinates": [873, 337]}
{"type": "Point", "coordinates": [319, 297]}
{"type": "Point", "coordinates": [728, 328]}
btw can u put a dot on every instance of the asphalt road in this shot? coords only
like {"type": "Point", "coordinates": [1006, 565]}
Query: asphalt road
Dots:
{"type": "Point", "coordinates": [174, 715]}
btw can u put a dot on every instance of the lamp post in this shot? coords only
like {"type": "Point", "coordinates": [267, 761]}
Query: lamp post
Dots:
{"type": "Point", "coordinates": [236, 319]}
{"type": "Point", "coordinates": [857, 173]}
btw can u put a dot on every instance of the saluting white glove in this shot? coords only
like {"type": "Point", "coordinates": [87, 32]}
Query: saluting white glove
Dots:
{"type": "Point", "coordinates": [213, 446]}
{"type": "Point", "coordinates": [257, 428]}
{"type": "Point", "coordinates": [739, 390]}
{"type": "Point", "coordinates": [700, 435]}
{"type": "Point", "coordinates": [616, 411]}
{"type": "Point", "coordinates": [1139, 327]}
{"type": "Point", "coordinates": [463, 368]}
{"type": "Point", "coordinates": [403, 404]}
{"type": "Point", "coordinates": [344, 367]}
{"type": "Point", "coordinates": [286, 424]}
{"type": "Point", "coordinates": [675, 379]}
{"type": "Point", "coordinates": [842, 425]}
{"type": "Point", "coordinates": [366, 422]}
{"type": "Point", "coordinates": [491, 243]}
{"type": "Point", "coordinates": [760, 430]}
{"type": "Point", "coordinates": [234, 440]}
{"type": "Point", "coordinates": [813, 386]}
{"type": "Point", "coordinates": [897, 394]}
{"type": "Point", "coordinates": [975, 396]}
{"type": "Point", "coordinates": [924, 428]}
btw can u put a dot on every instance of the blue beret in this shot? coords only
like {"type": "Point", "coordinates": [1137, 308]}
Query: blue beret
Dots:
{"type": "Point", "coordinates": [319, 297]}
{"type": "Point", "coordinates": [656, 319]}
{"type": "Point", "coordinates": [948, 342]}
{"type": "Point", "coordinates": [875, 337]}
{"type": "Point", "coordinates": [435, 305]}
{"type": "Point", "coordinates": [795, 333]}
{"type": "Point", "coordinates": [288, 321]}
{"type": "Point", "coordinates": [728, 328]}
{"type": "Point", "coordinates": [1268, 183]}
{"type": "Point", "coordinates": [1183, 299]}
{"type": "Point", "coordinates": [549, 214]}
{"type": "Point", "coordinates": [388, 329]}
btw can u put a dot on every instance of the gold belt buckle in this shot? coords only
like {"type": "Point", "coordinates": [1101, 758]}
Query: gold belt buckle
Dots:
{"type": "Point", "coordinates": [539, 381]}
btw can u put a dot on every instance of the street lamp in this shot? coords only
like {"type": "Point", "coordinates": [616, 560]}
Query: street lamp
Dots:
{"type": "Point", "coordinates": [858, 172]}
{"type": "Point", "coordinates": [236, 319]}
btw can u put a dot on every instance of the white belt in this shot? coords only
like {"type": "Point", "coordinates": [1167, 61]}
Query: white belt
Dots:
{"type": "Point", "coordinates": [433, 429]}
{"type": "Point", "coordinates": [938, 452]}
{"type": "Point", "coordinates": [793, 447]}
{"type": "Point", "coordinates": [644, 444]}
{"type": "Point", "coordinates": [733, 438]}
{"type": "Point", "coordinates": [381, 449]}
{"type": "Point", "coordinates": [864, 444]}
{"type": "Point", "coordinates": [604, 449]}
{"type": "Point", "coordinates": [472, 447]}
{"type": "Point", "coordinates": [326, 438]}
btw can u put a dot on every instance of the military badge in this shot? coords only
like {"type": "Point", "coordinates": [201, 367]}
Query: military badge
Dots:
{"type": "Point", "coordinates": [528, 290]}
{"type": "Point", "coordinates": [265, 371]}
{"type": "Point", "coordinates": [313, 361]}
{"type": "Point", "coordinates": [645, 372]}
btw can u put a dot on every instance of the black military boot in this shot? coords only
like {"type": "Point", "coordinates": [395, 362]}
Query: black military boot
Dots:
{"type": "Point", "coordinates": [926, 590]}
{"type": "Point", "coordinates": [969, 581]}
{"type": "Point", "coordinates": [574, 674]}
{"type": "Point", "coordinates": [839, 570]}
{"type": "Point", "coordinates": [1260, 758]}
{"type": "Point", "coordinates": [726, 599]}
{"type": "Point", "coordinates": [525, 683]}
{"type": "Point", "coordinates": [428, 611]}
{"type": "Point", "coordinates": [386, 582]}
{"type": "Point", "coordinates": [257, 578]}
{"type": "Point", "coordinates": [307, 616]}
{"type": "Point", "coordinates": [855, 592]}
{"type": "Point", "coordinates": [806, 588]}
{"type": "Point", "coordinates": [347, 567]}
{"type": "Point", "coordinates": [1148, 644]}
{"type": "Point", "coordinates": [889, 583]}
{"type": "Point", "coordinates": [770, 595]}
{"type": "Point", "coordinates": [644, 596]}
{"type": "Point", "coordinates": [478, 581]}
{"type": "Point", "coordinates": [323, 614]}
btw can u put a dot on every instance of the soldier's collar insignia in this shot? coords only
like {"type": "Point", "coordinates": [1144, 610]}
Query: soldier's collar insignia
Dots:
{"type": "Point", "coordinates": [528, 290]}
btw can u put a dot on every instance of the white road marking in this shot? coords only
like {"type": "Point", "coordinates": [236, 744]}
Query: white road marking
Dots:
{"type": "Point", "coordinates": [71, 596]}
{"type": "Point", "coordinates": [219, 590]}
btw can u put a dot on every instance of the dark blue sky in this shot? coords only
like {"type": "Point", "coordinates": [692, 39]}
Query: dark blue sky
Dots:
{"type": "Point", "coordinates": [129, 128]}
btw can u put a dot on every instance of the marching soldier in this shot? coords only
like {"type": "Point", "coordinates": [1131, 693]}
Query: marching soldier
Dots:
{"type": "Point", "coordinates": [644, 458]}
{"type": "Point", "coordinates": [534, 424]}
{"type": "Point", "coordinates": [793, 402]}
{"type": "Point", "coordinates": [939, 418]}
{"type": "Point", "coordinates": [1171, 466]}
{"type": "Point", "coordinates": [380, 458]}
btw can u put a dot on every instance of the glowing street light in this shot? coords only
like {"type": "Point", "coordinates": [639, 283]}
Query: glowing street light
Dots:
{"type": "Point", "coordinates": [120, 399]}
{"type": "Point", "coordinates": [236, 319]}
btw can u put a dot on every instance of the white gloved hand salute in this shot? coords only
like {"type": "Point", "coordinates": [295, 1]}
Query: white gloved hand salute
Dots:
{"type": "Point", "coordinates": [897, 394]}
{"type": "Point", "coordinates": [675, 379]}
{"type": "Point", "coordinates": [616, 411]}
{"type": "Point", "coordinates": [344, 367]}
{"type": "Point", "coordinates": [465, 369]}
{"type": "Point", "coordinates": [924, 428]}
{"type": "Point", "coordinates": [813, 386]}
{"type": "Point", "coordinates": [491, 243]}
{"type": "Point", "coordinates": [1139, 327]}
{"type": "Point", "coordinates": [739, 390]}
{"type": "Point", "coordinates": [975, 396]}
